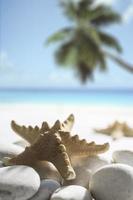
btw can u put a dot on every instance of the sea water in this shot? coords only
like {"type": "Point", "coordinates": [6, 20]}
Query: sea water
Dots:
{"type": "Point", "coordinates": [56, 96]}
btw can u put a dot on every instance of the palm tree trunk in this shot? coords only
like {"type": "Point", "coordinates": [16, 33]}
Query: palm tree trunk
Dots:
{"type": "Point", "coordinates": [121, 62]}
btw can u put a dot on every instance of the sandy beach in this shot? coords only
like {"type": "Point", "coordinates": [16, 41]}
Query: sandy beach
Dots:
{"type": "Point", "coordinates": [86, 118]}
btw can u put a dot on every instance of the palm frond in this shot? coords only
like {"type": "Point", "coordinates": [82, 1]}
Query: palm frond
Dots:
{"type": "Point", "coordinates": [86, 69]}
{"type": "Point", "coordinates": [83, 4]}
{"type": "Point", "coordinates": [84, 72]}
{"type": "Point", "coordinates": [70, 9]}
{"type": "Point", "coordinates": [109, 41]}
{"type": "Point", "coordinates": [92, 33]}
{"type": "Point", "coordinates": [90, 49]}
{"type": "Point", "coordinates": [60, 35]}
{"type": "Point", "coordinates": [66, 54]}
{"type": "Point", "coordinates": [120, 61]}
{"type": "Point", "coordinates": [103, 15]}
{"type": "Point", "coordinates": [73, 10]}
{"type": "Point", "coordinates": [83, 10]}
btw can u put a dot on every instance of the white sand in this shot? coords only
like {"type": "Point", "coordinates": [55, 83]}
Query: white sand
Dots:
{"type": "Point", "coordinates": [86, 119]}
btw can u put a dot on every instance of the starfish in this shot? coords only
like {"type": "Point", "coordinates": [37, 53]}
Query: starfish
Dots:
{"type": "Point", "coordinates": [31, 134]}
{"type": "Point", "coordinates": [117, 130]}
{"type": "Point", "coordinates": [56, 146]}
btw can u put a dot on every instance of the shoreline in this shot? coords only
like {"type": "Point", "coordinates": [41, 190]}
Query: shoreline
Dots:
{"type": "Point", "coordinates": [44, 104]}
{"type": "Point", "coordinates": [86, 117]}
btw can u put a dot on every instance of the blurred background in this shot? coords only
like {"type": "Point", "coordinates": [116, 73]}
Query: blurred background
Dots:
{"type": "Point", "coordinates": [60, 57]}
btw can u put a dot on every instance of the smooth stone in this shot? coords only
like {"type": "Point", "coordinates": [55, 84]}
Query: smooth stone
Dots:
{"type": "Point", "coordinates": [7, 149]}
{"type": "Point", "coordinates": [113, 182]}
{"type": "Point", "coordinates": [47, 187]}
{"type": "Point", "coordinates": [47, 170]}
{"type": "Point", "coordinates": [83, 176]}
{"type": "Point", "coordinates": [72, 192]}
{"type": "Point", "coordinates": [18, 182]}
{"type": "Point", "coordinates": [93, 163]}
{"type": "Point", "coordinates": [123, 156]}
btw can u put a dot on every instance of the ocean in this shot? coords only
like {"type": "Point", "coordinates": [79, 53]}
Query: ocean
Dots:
{"type": "Point", "coordinates": [56, 96]}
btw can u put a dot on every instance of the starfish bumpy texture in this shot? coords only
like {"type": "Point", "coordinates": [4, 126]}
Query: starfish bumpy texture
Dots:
{"type": "Point", "coordinates": [117, 130]}
{"type": "Point", "coordinates": [55, 145]}
{"type": "Point", "coordinates": [31, 134]}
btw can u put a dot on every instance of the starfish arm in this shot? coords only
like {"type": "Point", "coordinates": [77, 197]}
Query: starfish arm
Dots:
{"type": "Point", "coordinates": [82, 149]}
{"type": "Point", "coordinates": [56, 127]}
{"type": "Point", "coordinates": [106, 131]}
{"type": "Point", "coordinates": [128, 132]}
{"type": "Point", "coordinates": [29, 133]}
{"type": "Point", "coordinates": [77, 147]}
{"type": "Point", "coordinates": [63, 164]}
{"type": "Point", "coordinates": [67, 125]}
{"type": "Point", "coordinates": [110, 129]}
{"type": "Point", "coordinates": [27, 157]}
{"type": "Point", "coordinates": [45, 127]}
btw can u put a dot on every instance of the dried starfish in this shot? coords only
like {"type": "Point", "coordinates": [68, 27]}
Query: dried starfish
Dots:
{"type": "Point", "coordinates": [117, 130]}
{"type": "Point", "coordinates": [31, 134]}
{"type": "Point", "coordinates": [58, 147]}
{"type": "Point", "coordinates": [48, 147]}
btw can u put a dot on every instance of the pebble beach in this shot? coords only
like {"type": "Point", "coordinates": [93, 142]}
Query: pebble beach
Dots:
{"type": "Point", "coordinates": [106, 169]}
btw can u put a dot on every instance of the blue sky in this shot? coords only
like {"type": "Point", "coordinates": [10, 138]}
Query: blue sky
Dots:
{"type": "Point", "coordinates": [26, 62]}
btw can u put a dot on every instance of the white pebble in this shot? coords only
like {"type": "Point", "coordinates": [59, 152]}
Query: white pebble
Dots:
{"type": "Point", "coordinates": [47, 187]}
{"type": "Point", "coordinates": [18, 182]}
{"type": "Point", "coordinates": [123, 156]}
{"type": "Point", "coordinates": [73, 192]}
{"type": "Point", "coordinates": [7, 149]}
{"type": "Point", "coordinates": [113, 182]}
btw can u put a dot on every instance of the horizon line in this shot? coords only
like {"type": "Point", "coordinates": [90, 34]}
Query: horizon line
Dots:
{"type": "Point", "coordinates": [109, 89]}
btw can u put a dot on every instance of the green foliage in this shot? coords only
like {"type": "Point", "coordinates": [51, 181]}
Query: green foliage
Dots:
{"type": "Point", "coordinates": [103, 15]}
{"type": "Point", "coordinates": [59, 36]}
{"type": "Point", "coordinates": [109, 41]}
{"type": "Point", "coordinates": [82, 44]}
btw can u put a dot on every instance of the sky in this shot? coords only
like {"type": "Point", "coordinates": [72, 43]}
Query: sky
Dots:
{"type": "Point", "coordinates": [25, 60]}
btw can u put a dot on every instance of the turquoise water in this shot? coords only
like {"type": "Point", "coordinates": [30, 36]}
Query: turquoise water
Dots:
{"type": "Point", "coordinates": [118, 98]}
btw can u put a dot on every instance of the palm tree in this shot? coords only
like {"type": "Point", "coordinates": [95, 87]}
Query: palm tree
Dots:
{"type": "Point", "coordinates": [84, 45]}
